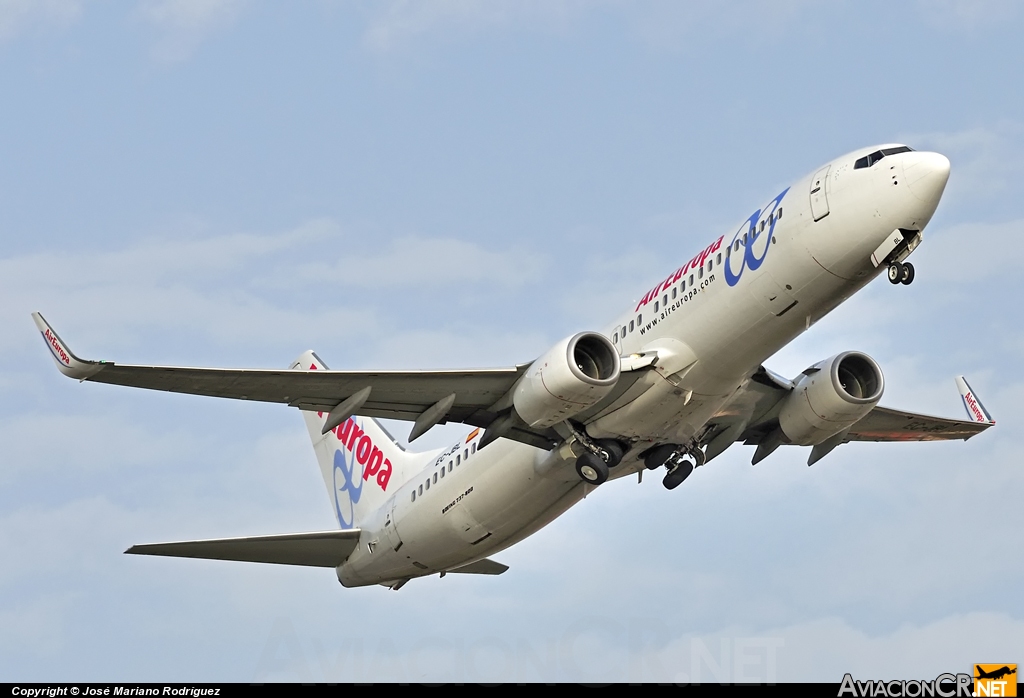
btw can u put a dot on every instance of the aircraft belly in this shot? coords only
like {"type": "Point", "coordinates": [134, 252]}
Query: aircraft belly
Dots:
{"type": "Point", "coordinates": [473, 515]}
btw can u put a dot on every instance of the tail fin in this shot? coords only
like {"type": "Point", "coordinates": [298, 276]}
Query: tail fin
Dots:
{"type": "Point", "coordinates": [360, 461]}
{"type": "Point", "coordinates": [975, 410]}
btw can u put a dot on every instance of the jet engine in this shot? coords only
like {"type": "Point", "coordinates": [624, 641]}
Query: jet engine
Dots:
{"type": "Point", "coordinates": [573, 375]}
{"type": "Point", "coordinates": [830, 396]}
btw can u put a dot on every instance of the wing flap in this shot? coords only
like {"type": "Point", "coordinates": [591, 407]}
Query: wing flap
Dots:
{"type": "Point", "coordinates": [485, 566]}
{"type": "Point", "coordinates": [886, 424]}
{"type": "Point", "coordinates": [401, 395]}
{"type": "Point", "coordinates": [317, 549]}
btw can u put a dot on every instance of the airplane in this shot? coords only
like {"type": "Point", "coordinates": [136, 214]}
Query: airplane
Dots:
{"type": "Point", "coordinates": [994, 674]}
{"type": "Point", "coordinates": [671, 384]}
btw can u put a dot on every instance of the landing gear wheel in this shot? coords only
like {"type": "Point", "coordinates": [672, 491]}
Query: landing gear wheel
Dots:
{"type": "Point", "coordinates": [591, 469]}
{"type": "Point", "coordinates": [614, 450]}
{"type": "Point", "coordinates": [657, 457]}
{"type": "Point", "coordinates": [676, 477]}
{"type": "Point", "coordinates": [895, 273]}
{"type": "Point", "coordinates": [907, 277]}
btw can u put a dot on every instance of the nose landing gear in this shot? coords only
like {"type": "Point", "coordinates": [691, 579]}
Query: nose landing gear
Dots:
{"type": "Point", "coordinates": [901, 273]}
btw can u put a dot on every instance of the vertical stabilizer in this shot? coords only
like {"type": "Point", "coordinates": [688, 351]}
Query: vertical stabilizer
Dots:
{"type": "Point", "coordinates": [360, 462]}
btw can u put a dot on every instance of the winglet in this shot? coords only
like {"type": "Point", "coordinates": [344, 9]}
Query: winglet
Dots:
{"type": "Point", "coordinates": [975, 410]}
{"type": "Point", "coordinates": [69, 364]}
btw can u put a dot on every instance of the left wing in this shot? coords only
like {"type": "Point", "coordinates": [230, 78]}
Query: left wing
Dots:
{"type": "Point", "coordinates": [752, 415]}
{"type": "Point", "coordinates": [318, 549]}
{"type": "Point", "coordinates": [885, 424]}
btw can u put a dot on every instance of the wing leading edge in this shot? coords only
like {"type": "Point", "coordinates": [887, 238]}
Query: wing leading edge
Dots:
{"type": "Point", "coordinates": [752, 415]}
{"type": "Point", "coordinates": [405, 395]}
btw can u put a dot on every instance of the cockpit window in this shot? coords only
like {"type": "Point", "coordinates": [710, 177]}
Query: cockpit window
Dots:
{"type": "Point", "coordinates": [869, 160]}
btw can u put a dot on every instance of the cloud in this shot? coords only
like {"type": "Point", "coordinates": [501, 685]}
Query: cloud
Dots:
{"type": "Point", "coordinates": [184, 24]}
{"type": "Point", "coordinates": [16, 15]}
{"type": "Point", "coordinates": [967, 14]}
{"type": "Point", "coordinates": [399, 22]}
{"type": "Point", "coordinates": [987, 161]}
{"type": "Point", "coordinates": [241, 289]}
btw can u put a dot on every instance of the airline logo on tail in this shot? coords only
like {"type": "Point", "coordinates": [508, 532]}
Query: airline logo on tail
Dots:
{"type": "Point", "coordinates": [357, 460]}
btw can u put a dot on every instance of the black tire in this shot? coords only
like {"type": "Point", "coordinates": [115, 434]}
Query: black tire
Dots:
{"type": "Point", "coordinates": [908, 274]}
{"type": "Point", "coordinates": [614, 450]}
{"type": "Point", "coordinates": [676, 477]}
{"type": "Point", "coordinates": [895, 273]}
{"type": "Point", "coordinates": [657, 457]}
{"type": "Point", "coordinates": [591, 469]}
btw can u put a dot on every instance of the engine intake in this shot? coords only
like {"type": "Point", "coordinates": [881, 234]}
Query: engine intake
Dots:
{"type": "Point", "coordinates": [573, 375]}
{"type": "Point", "coordinates": [830, 396]}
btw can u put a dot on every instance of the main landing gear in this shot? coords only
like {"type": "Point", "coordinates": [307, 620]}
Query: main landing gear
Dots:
{"type": "Point", "coordinates": [601, 455]}
{"type": "Point", "coordinates": [678, 460]}
{"type": "Point", "coordinates": [901, 273]}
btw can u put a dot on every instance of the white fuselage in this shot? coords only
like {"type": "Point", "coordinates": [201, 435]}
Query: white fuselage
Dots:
{"type": "Point", "coordinates": [713, 321]}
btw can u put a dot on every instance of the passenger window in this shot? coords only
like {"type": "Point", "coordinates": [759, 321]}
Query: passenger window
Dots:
{"type": "Point", "coordinates": [691, 280]}
{"type": "Point", "coordinates": [709, 266]}
{"type": "Point", "coordinates": [761, 230]}
{"type": "Point", "coordinates": [655, 306]}
{"type": "Point", "coordinates": [780, 213]}
{"type": "Point", "coordinates": [639, 319]}
{"type": "Point", "coordinates": [428, 483]}
{"type": "Point", "coordinates": [630, 325]}
{"type": "Point", "coordinates": [472, 447]}
{"type": "Point", "coordinates": [737, 245]}
{"type": "Point", "coordinates": [615, 337]}
{"type": "Point", "coordinates": [700, 273]}
{"type": "Point", "coordinates": [435, 478]}
{"type": "Point", "coordinates": [673, 293]}
{"type": "Point", "coordinates": [466, 454]}
{"type": "Point", "coordinates": [449, 466]}
{"type": "Point", "coordinates": [442, 472]}
{"type": "Point", "coordinates": [421, 490]}
{"type": "Point", "coordinates": [414, 495]}
{"type": "Point", "coordinates": [458, 460]}
{"type": "Point", "coordinates": [718, 259]}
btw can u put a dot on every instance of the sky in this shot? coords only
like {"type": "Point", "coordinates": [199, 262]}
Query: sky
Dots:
{"type": "Point", "coordinates": [442, 184]}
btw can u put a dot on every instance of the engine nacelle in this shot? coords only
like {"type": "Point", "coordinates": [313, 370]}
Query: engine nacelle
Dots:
{"type": "Point", "coordinates": [573, 375]}
{"type": "Point", "coordinates": [830, 396]}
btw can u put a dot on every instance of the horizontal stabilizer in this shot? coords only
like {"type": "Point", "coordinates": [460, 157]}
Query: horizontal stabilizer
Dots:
{"type": "Point", "coordinates": [317, 549]}
{"type": "Point", "coordinates": [485, 566]}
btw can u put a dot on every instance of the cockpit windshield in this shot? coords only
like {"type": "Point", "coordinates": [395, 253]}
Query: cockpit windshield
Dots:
{"type": "Point", "coordinates": [869, 160]}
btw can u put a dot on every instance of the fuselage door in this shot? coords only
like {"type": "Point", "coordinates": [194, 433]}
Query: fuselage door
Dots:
{"type": "Point", "coordinates": [390, 531]}
{"type": "Point", "coordinates": [819, 200]}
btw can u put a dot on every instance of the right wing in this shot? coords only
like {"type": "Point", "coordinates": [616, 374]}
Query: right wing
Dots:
{"type": "Point", "coordinates": [406, 395]}
{"type": "Point", "coordinates": [477, 397]}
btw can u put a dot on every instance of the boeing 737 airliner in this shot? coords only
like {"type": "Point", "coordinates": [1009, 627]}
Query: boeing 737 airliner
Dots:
{"type": "Point", "coordinates": [672, 383]}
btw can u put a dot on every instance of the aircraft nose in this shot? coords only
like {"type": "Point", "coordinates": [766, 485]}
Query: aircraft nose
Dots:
{"type": "Point", "coordinates": [926, 175]}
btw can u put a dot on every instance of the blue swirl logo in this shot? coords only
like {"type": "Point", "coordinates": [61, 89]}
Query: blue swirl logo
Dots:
{"type": "Point", "coordinates": [348, 487]}
{"type": "Point", "coordinates": [757, 243]}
